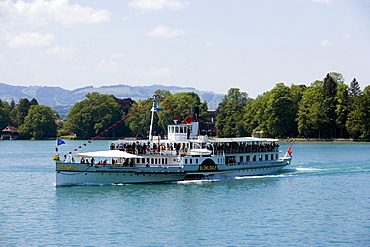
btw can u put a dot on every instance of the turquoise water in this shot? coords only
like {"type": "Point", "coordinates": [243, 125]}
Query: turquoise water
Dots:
{"type": "Point", "coordinates": [322, 199]}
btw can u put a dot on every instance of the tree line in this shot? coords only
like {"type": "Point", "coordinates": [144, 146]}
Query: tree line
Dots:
{"type": "Point", "coordinates": [326, 109]}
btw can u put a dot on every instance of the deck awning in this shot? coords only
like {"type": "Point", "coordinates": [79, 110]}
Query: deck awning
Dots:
{"type": "Point", "coordinates": [107, 154]}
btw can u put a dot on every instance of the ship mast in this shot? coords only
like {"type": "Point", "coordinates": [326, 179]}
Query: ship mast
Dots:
{"type": "Point", "coordinates": [152, 121]}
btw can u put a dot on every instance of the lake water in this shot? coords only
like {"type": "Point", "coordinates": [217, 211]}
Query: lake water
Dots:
{"type": "Point", "coordinates": [322, 199]}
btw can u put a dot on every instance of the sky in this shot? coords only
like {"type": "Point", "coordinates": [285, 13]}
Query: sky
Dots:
{"type": "Point", "coordinates": [211, 45]}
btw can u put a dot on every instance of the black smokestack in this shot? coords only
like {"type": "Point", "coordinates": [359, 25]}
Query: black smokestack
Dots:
{"type": "Point", "coordinates": [194, 113]}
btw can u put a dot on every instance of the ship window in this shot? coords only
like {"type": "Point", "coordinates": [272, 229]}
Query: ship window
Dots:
{"type": "Point", "coordinates": [196, 161]}
{"type": "Point", "coordinates": [241, 158]}
{"type": "Point", "coordinates": [277, 156]}
{"type": "Point", "coordinates": [248, 158]}
{"type": "Point", "coordinates": [254, 158]}
{"type": "Point", "coordinates": [151, 161]}
{"type": "Point", "coordinates": [186, 161]}
{"type": "Point", "coordinates": [266, 157]}
{"type": "Point", "coordinates": [260, 157]}
{"type": "Point", "coordinates": [143, 160]}
{"type": "Point", "coordinates": [191, 161]}
{"type": "Point", "coordinates": [272, 156]}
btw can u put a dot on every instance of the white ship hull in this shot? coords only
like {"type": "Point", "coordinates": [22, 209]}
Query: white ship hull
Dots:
{"type": "Point", "coordinates": [68, 178]}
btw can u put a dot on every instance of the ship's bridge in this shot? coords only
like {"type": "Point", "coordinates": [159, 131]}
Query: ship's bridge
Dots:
{"type": "Point", "coordinates": [181, 132]}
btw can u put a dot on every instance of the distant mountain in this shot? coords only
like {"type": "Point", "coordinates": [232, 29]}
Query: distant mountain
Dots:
{"type": "Point", "coordinates": [61, 99]}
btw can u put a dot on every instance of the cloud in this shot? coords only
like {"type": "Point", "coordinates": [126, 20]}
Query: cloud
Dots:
{"type": "Point", "coordinates": [323, 1]}
{"type": "Point", "coordinates": [347, 35]}
{"type": "Point", "coordinates": [41, 12]}
{"type": "Point", "coordinates": [116, 56]}
{"type": "Point", "coordinates": [107, 66]}
{"type": "Point", "coordinates": [165, 32]}
{"type": "Point", "coordinates": [158, 4]}
{"type": "Point", "coordinates": [65, 52]}
{"type": "Point", "coordinates": [208, 45]}
{"type": "Point", "coordinates": [157, 72]}
{"type": "Point", "coordinates": [325, 43]}
{"type": "Point", "coordinates": [31, 39]}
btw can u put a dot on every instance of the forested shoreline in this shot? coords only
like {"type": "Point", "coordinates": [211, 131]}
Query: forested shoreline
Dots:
{"type": "Point", "coordinates": [328, 109]}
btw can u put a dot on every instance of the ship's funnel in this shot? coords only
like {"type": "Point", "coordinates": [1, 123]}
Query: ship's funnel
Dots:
{"type": "Point", "coordinates": [194, 113]}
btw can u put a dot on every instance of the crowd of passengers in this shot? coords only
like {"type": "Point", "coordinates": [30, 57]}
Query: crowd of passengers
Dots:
{"type": "Point", "coordinates": [148, 148]}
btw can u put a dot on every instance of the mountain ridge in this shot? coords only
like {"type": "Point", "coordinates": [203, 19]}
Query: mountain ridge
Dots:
{"type": "Point", "coordinates": [61, 99]}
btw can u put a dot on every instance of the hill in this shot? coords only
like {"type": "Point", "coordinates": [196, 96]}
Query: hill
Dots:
{"type": "Point", "coordinates": [61, 100]}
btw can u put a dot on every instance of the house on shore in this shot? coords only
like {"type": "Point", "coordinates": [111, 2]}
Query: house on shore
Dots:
{"type": "Point", "coordinates": [9, 133]}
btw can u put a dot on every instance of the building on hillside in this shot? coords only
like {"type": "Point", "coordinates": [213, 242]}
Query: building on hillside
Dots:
{"type": "Point", "coordinates": [9, 133]}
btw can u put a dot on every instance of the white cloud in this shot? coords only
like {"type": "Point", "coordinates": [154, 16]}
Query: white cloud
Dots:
{"type": "Point", "coordinates": [41, 12]}
{"type": "Point", "coordinates": [208, 45]}
{"type": "Point", "coordinates": [324, 1]}
{"type": "Point", "coordinates": [165, 32]}
{"type": "Point", "coordinates": [347, 35]}
{"type": "Point", "coordinates": [107, 66]}
{"type": "Point", "coordinates": [157, 72]}
{"type": "Point", "coordinates": [116, 56]}
{"type": "Point", "coordinates": [325, 43]}
{"type": "Point", "coordinates": [31, 39]}
{"type": "Point", "coordinates": [65, 52]}
{"type": "Point", "coordinates": [158, 4]}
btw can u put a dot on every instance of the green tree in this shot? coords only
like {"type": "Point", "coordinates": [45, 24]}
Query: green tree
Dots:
{"type": "Point", "coordinates": [342, 109]}
{"type": "Point", "coordinates": [4, 114]}
{"type": "Point", "coordinates": [281, 113]}
{"type": "Point", "coordinates": [330, 87]}
{"type": "Point", "coordinates": [358, 123]}
{"type": "Point", "coordinates": [310, 113]}
{"type": "Point", "coordinates": [20, 111]}
{"type": "Point", "coordinates": [254, 116]}
{"type": "Point", "coordinates": [173, 107]}
{"type": "Point", "coordinates": [229, 118]}
{"type": "Point", "coordinates": [139, 118]}
{"type": "Point", "coordinates": [93, 115]}
{"type": "Point", "coordinates": [354, 88]}
{"type": "Point", "coordinates": [39, 123]}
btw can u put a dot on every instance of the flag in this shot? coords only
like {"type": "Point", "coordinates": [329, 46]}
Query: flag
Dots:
{"type": "Point", "coordinates": [60, 142]}
{"type": "Point", "coordinates": [157, 109]}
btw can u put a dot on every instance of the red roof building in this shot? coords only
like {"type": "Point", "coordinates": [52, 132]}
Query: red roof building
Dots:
{"type": "Point", "coordinates": [9, 133]}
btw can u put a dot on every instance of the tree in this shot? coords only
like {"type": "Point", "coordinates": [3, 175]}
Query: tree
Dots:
{"type": "Point", "coordinates": [342, 109]}
{"type": "Point", "coordinates": [4, 114]}
{"type": "Point", "coordinates": [330, 87]}
{"type": "Point", "coordinates": [254, 116]}
{"type": "Point", "coordinates": [354, 88]}
{"type": "Point", "coordinates": [310, 113]}
{"type": "Point", "coordinates": [39, 123]}
{"type": "Point", "coordinates": [281, 113]}
{"type": "Point", "coordinates": [93, 115]}
{"type": "Point", "coordinates": [20, 111]}
{"type": "Point", "coordinates": [172, 107]}
{"type": "Point", "coordinates": [229, 118]}
{"type": "Point", "coordinates": [358, 123]}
